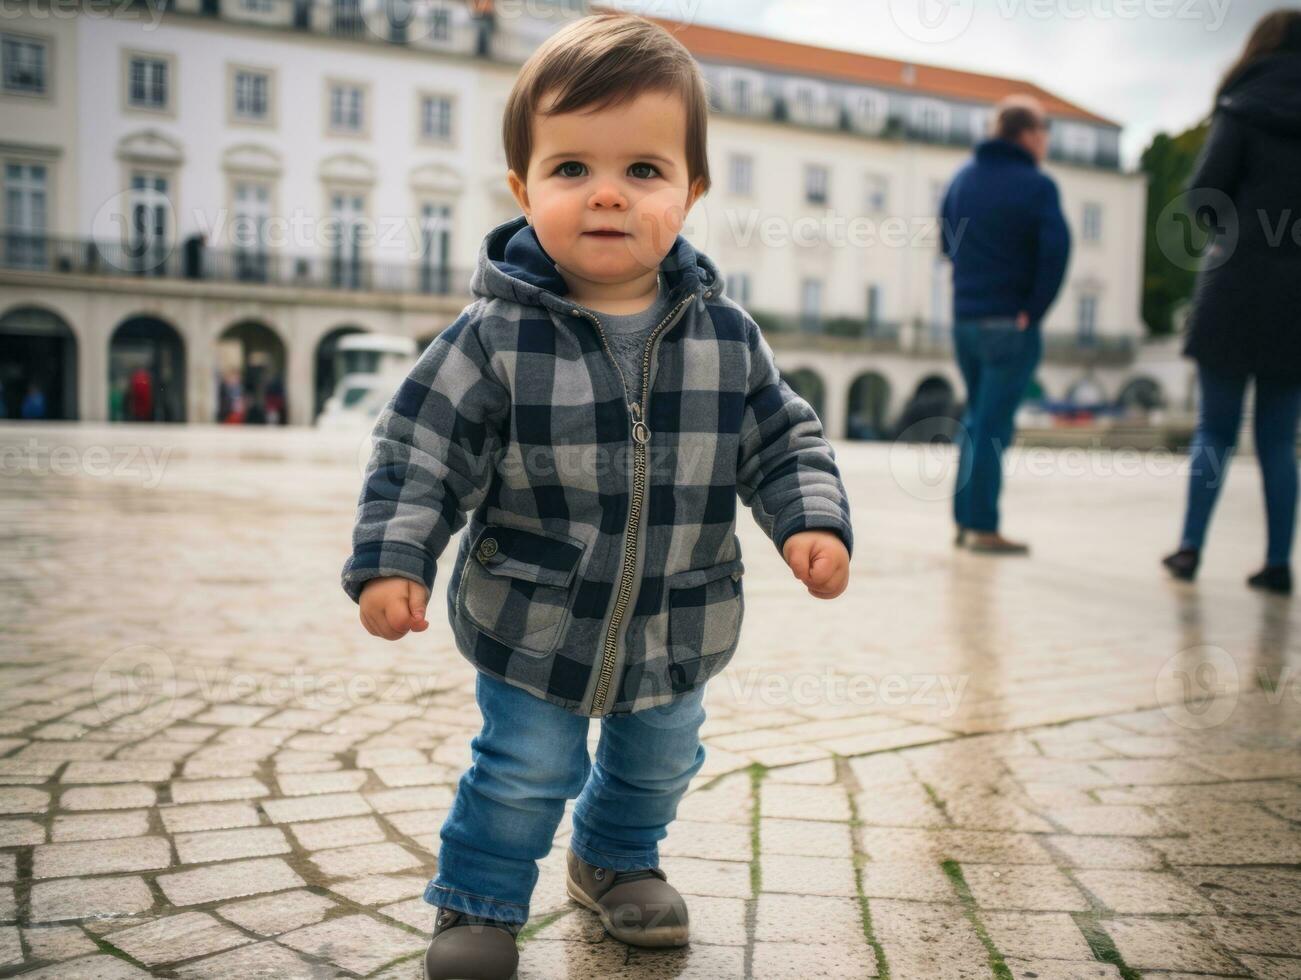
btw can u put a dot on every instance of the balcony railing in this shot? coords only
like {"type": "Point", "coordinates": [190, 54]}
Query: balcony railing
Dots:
{"type": "Point", "coordinates": [76, 256]}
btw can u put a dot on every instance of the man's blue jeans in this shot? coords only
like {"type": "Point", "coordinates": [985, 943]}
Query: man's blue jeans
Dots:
{"type": "Point", "coordinates": [1278, 406]}
{"type": "Point", "coordinates": [997, 361]}
{"type": "Point", "coordinates": [530, 757]}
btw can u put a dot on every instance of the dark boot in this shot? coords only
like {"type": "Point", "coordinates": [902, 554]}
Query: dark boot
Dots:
{"type": "Point", "coordinates": [637, 907]}
{"type": "Point", "coordinates": [1273, 578]}
{"type": "Point", "coordinates": [1183, 563]}
{"type": "Point", "coordinates": [467, 947]}
{"type": "Point", "coordinates": [993, 543]}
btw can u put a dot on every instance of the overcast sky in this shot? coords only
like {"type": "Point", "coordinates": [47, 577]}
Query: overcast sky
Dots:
{"type": "Point", "coordinates": [1151, 65]}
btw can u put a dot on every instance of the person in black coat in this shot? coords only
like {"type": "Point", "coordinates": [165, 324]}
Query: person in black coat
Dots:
{"type": "Point", "coordinates": [1245, 193]}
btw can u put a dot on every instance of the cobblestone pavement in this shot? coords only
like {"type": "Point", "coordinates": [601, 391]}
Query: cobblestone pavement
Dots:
{"type": "Point", "coordinates": [1057, 767]}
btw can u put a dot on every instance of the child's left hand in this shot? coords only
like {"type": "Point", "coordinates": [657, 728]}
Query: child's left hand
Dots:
{"type": "Point", "coordinates": [819, 560]}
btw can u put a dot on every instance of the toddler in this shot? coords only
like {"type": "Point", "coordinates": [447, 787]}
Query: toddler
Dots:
{"type": "Point", "coordinates": [596, 411]}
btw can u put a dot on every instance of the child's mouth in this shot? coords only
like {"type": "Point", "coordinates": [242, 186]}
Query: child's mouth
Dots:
{"type": "Point", "coordinates": [606, 234]}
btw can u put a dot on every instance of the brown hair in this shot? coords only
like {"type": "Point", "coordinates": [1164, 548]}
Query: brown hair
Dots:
{"type": "Point", "coordinates": [1276, 31]}
{"type": "Point", "coordinates": [1017, 114]}
{"type": "Point", "coordinates": [604, 60]}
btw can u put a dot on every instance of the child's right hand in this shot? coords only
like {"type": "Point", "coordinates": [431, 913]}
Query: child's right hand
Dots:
{"type": "Point", "coordinates": [391, 607]}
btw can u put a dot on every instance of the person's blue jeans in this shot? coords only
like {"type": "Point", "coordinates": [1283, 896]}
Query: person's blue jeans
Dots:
{"type": "Point", "coordinates": [1278, 408]}
{"type": "Point", "coordinates": [997, 361]}
{"type": "Point", "coordinates": [530, 757]}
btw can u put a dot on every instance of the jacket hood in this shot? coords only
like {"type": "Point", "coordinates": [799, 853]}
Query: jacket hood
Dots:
{"type": "Point", "coordinates": [513, 265]}
{"type": "Point", "coordinates": [1268, 93]}
{"type": "Point", "coordinates": [1002, 151]}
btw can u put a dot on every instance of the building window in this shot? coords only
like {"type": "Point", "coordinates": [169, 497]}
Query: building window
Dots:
{"type": "Point", "coordinates": [26, 214]}
{"type": "Point", "coordinates": [1087, 315]}
{"type": "Point", "coordinates": [252, 95]}
{"type": "Point", "coordinates": [805, 102]}
{"type": "Point", "coordinates": [878, 193]}
{"type": "Point", "coordinates": [149, 227]}
{"type": "Point", "coordinates": [742, 95]}
{"type": "Point", "coordinates": [249, 230]}
{"type": "Point", "coordinates": [347, 210]}
{"type": "Point", "coordinates": [347, 108]}
{"type": "Point", "coordinates": [435, 248]}
{"type": "Point", "coordinates": [741, 174]}
{"type": "Point", "coordinates": [23, 64]}
{"type": "Point", "coordinates": [436, 118]}
{"type": "Point", "coordinates": [738, 287]}
{"type": "Point", "coordinates": [1091, 226]}
{"type": "Point", "coordinates": [871, 109]}
{"type": "Point", "coordinates": [811, 304]}
{"type": "Point", "coordinates": [930, 119]}
{"type": "Point", "coordinates": [257, 6]}
{"type": "Point", "coordinates": [440, 24]}
{"type": "Point", "coordinates": [816, 180]}
{"type": "Point", "coordinates": [148, 82]}
{"type": "Point", "coordinates": [873, 305]}
{"type": "Point", "coordinates": [1078, 142]}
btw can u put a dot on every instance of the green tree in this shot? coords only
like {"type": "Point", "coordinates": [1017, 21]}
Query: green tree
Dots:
{"type": "Point", "coordinates": [1168, 163]}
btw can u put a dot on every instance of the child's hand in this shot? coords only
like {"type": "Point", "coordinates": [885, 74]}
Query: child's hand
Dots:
{"type": "Point", "coordinates": [390, 607]}
{"type": "Point", "coordinates": [819, 560]}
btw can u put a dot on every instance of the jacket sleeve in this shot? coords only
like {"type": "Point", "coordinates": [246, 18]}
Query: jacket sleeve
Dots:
{"type": "Point", "coordinates": [436, 445]}
{"type": "Point", "coordinates": [786, 471]}
{"type": "Point", "coordinates": [1220, 162]}
{"type": "Point", "coordinates": [1053, 248]}
{"type": "Point", "coordinates": [946, 247]}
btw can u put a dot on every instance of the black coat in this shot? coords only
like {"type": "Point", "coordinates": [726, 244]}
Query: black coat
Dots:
{"type": "Point", "coordinates": [1246, 314]}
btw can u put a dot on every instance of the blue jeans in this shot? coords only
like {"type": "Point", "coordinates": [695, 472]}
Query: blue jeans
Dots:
{"type": "Point", "coordinates": [997, 362]}
{"type": "Point", "coordinates": [530, 757]}
{"type": "Point", "coordinates": [1278, 407]}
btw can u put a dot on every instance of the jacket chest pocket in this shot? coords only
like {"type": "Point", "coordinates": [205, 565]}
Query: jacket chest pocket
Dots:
{"type": "Point", "coordinates": [705, 608]}
{"type": "Point", "coordinates": [517, 585]}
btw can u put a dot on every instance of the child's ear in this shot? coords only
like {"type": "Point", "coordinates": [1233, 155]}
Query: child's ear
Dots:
{"type": "Point", "coordinates": [695, 192]}
{"type": "Point", "coordinates": [520, 192]}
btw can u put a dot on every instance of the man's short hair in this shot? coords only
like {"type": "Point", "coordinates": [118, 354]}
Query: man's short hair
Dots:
{"type": "Point", "coordinates": [1018, 114]}
{"type": "Point", "coordinates": [604, 60]}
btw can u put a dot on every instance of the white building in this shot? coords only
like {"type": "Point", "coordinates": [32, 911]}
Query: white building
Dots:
{"type": "Point", "coordinates": [343, 160]}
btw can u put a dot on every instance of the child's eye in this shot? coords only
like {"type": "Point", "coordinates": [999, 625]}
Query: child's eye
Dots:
{"type": "Point", "coordinates": [570, 163]}
{"type": "Point", "coordinates": [649, 166]}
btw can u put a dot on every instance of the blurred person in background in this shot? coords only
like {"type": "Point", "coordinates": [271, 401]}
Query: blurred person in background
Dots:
{"type": "Point", "coordinates": [1246, 315]}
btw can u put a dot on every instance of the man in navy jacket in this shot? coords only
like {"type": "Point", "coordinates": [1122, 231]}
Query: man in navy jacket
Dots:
{"type": "Point", "coordinates": [1002, 227]}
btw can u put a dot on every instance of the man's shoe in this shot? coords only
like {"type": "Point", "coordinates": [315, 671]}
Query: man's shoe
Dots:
{"type": "Point", "coordinates": [996, 544]}
{"type": "Point", "coordinates": [1183, 563]}
{"type": "Point", "coordinates": [1273, 578]}
{"type": "Point", "coordinates": [468, 947]}
{"type": "Point", "coordinates": [639, 907]}
{"type": "Point", "coordinates": [960, 538]}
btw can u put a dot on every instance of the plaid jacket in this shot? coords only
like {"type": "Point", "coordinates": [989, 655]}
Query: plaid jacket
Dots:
{"type": "Point", "coordinates": [600, 568]}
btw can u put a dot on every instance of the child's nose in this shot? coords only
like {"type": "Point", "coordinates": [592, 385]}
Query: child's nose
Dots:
{"type": "Point", "coordinates": [607, 195]}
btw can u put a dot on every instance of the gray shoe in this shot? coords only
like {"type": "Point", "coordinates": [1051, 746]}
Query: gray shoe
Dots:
{"type": "Point", "coordinates": [636, 907]}
{"type": "Point", "coordinates": [996, 544]}
{"type": "Point", "coordinates": [467, 947]}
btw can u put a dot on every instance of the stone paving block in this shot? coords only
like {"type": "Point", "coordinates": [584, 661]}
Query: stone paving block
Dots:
{"type": "Point", "coordinates": [233, 880]}
{"type": "Point", "coordinates": [8, 867]}
{"type": "Point", "coordinates": [545, 959]}
{"type": "Point", "coordinates": [1063, 970]}
{"type": "Point", "coordinates": [1036, 935]}
{"type": "Point", "coordinates": [807, 875]}
{"type": "Point", "coordinates": [927, 941]}
{"type": "Point", "coordinates": [811, 919]}
{"type": "Point", "coordinates": [422, 826]}
{"type": "Point", "coordinates": [355, 942]}
{"type": "Point", "coordinates": [415, 912]}
{"type": "Point", "coordinates": [208, 816]}
{"type": "Point", "coordinates": [1031, 889]}
{"type": "Point", "coordinates": [803, 802]}
{"type": "Point", "coordinates": [819, 773]}
{"type": "Point", "coordinates": [78, 898]}
{"type": "Point", "coordinates": [899, 805]}
{"type": "Point", "coordinates": [261, 961]}
{"type": "Point", "coordinates": [410, 798]}
{"type": "Point", "coordinates": [121, 797]}
{"type": "Point", "coordinates": [101, 857]}
{"type": "Point", "coordinates": [11, 947]}
{"type": "Point", "coordinates": [316, 807]}
{"type": "Point", "coordinates": [797, 961]}
{"type": "Point", "coordinates": [215, 790]}
{"type": "Point", "coordinates": [1260, 847]}
{"type": "Point", "coordinates": [1143, 892]}
{"type": "Point", "coordinates": [271, 915]}
{"type": "Point", "coordinates": [722, 879]}
{"type": "Point", "coordinates": [317, 783]}
{"type": "Point", "coordinates": [57, 942]}
{"type": "Point", "coordinates": [729, 801]}
{"type": "Point", "coordinates": [114, 771]}
{"type": "Point", "coordinates": [694, 962]}
{"type": "Point", "coordinates": [1166, 944]}
{"type": "Point", "coordinates": [17, 833]}
{"type": "Point", "coordinates": [1269, 935]}
{"type": "Point", "coordinates": [101, 966]}
{"type": "Point", "coordinates": [227, 845]}
{"type": "Point", "coordinates": [23, 799]}
{"type": "Point", "coordinates": [916, 882]}
{"type": "Point", "coordinates": [319, 834]}
{"type": "Point", "coordinates": [378, 889]}
{"type": "Point", "coordinates": [177, 937]}
{"type": "Point", "coordinates": [100, 826]}
{"type": "Point", "coordinates": [1265, 968]}
{"type": "Point", "coordinates": [911, 845]}
{"type": "Point", "coordinates": [695, 838]}
{"type": "Point", "coordinates": [1104, 852]}
{"type": "Point", "coordinates": [364, 859]}
{"type": "Point", "coordinates": [1123, 821]}
{"type": "Point", "coordinates": [1247, 891]}
{"type": "Point", "coordinates": [808, 838]}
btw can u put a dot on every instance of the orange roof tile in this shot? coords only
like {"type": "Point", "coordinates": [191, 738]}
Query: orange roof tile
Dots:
{"type": "Point", "coordinates": [719, 44]}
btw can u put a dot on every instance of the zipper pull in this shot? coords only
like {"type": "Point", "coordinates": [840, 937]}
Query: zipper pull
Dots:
{"type": "Point", "coordinates": [640, 430]}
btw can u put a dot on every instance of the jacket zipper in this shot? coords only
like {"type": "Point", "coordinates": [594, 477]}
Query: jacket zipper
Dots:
{"type": "Point", "coordinates": [641, 435]}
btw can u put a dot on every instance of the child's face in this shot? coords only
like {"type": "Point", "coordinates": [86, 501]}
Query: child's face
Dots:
{"type": "Point", "coordinates": [621, 168]}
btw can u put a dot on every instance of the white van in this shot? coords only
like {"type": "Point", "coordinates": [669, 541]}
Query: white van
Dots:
{"type": "Point", "coordinates": [369, 368]}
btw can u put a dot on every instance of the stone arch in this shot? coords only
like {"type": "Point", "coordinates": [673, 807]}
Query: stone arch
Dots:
{"type": "Point", "coordinates": [146, 371]}
{"type": "Point", "coordinates": [251, 363]}
{"type": "Point", "coordinates": [869, 406]}
{"type": "Point", "coordinates": [808, 384]}
{"type": "Point", "coordinates": [38, 365]}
